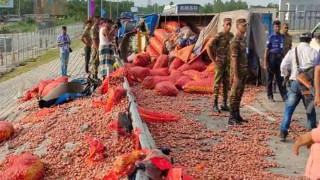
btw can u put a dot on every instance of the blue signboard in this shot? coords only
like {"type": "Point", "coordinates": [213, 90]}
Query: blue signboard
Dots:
{"type": "Point", "coordinates": [6, 3]}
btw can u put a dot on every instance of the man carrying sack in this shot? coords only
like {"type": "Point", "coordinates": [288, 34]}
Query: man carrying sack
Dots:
{"type": "Point", "coordinates": [299, 61]}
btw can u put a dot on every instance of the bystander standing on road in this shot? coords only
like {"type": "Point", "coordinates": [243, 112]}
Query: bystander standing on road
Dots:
{"type": "Point", "coordinates": [298, 60]}
{"type": "Point", "coordinates": [272, 60]}
{"type": "Point", "coordinates": [87, 41]}
{"type": "Point", "coordinates": [218, 52]}
{"type": "Point", "coordinates": [312, 139]}
{"type": "Point", "coordinates": [239, 64]}
{"type": "Point", "coordinates": [95, 46]}
{"type": "Point", "coordinates": [106, 55]}
{"type": "Point", "coordinates": [64, 42]}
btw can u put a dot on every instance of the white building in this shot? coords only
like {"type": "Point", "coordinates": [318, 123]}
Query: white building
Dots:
{"type": "Point", "coordinates": [300, 14]}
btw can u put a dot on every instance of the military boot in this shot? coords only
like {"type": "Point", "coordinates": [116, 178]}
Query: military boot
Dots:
{"type": "Point", "coordinates": [233, 120]}
{"type": "Point", "coordinates": [239, 117]}
{"type": "Point", "coordinates": [225, 106]}
{"type": "Point", "coordinates": [215, 107]}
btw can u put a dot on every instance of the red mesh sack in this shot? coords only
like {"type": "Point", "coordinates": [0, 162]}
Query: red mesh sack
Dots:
{"type": "Point", "coordinates": [37, 90]}
{"type": "Point", "coordinates": [43, 84]}
{"type": "Point", "coordinates": [166, 88]}
{"type": "Point", "coordinates": [150, 82]}
{"type": "Point", "coordinates": [159, 72]}
{"type": "Point", "coordinates": [198, 65]}
{"type": "Point", "coordinates": [22, 166]}
{"type": "Point", "coordinates": [150, 66]}
{"type": "Point", "coordinates": [184, 67]}
{"type": "Point", "coordinates": [125, 165]}
{"type": "Point", "coordinates": [120, 72]}
{"type": "Point", "coordinates": [138, 73]}
{"type": "Point", "coordinates": [52, 85]}
{"type": "Point", "coordinates": [162, 61]}
{"type": "Point", "coordinates": [154, 116]}
{"type": "Point", "coordinates": [175, 64]}
{"type": "Point", "coordinates": [204, 75]}
{"type": "Point", "coordinates": [157, 45]}
{"type": "Point", "coordinates": [141, 59]}
{"type": "Point", "coordinates": [174, 174]}
{"type": "Point", "coordinates": [62, 79]}
{"type": "Point", "coordinates": [210, 68]}
{"type": "Point", "coordinates": [182, 81]}
{"type": "Point", "coordinates": [6, 130]}
{"type": "Point", "coordinates": [175, 75]}
{"type": "Point", "coordinates": [204, 86]}
{"type": "Point", "coordinates": [96, 151]}
{"type": "Point", "coordinates": [103, 89]}
{"type": "Point", "coordinates": [171, 26]}
{"type": "Point", "coordinates": [193, 74]}
{"type": "Point", "coordinates": [152, 53]}
{"type": "Point", "coordinates": [114, 97]}
{"type": "Point", "coordinates": [162, 35]}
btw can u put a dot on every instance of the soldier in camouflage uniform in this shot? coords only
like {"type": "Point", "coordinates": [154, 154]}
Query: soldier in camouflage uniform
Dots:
{"type": "Point", "coordinates": [95, 46]}
{"type": "Point", "coordinates": [239, 64]}
{"type": "Point", "coordinates": [218, 52]}
{"type": "Point", "coordinates": [288, 38]}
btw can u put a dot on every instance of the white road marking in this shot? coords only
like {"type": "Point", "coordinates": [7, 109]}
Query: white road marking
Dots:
{"type": "Point", "coordinates": [261, 113]}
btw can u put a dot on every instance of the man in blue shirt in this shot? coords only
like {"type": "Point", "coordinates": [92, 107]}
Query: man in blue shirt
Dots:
{"type": "Point", "coordinates": [318, 56]}
{"type": "Point", "coordinates": [272, 60]}
{"type": "Point", "coordinates": [64, 42]}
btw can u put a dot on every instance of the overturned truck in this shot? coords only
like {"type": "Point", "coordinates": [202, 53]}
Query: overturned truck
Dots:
{"type": "Point", "coordinates": [204, 26]}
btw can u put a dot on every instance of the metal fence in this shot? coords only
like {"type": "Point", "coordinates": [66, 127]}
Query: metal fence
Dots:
{"type": "Point", "coordinates": [17, 49]}
{"type": "Point", "coordinates": [300, 20]}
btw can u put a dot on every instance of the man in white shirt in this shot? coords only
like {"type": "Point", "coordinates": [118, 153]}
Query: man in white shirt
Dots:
{"type": "Point", "coordinates": [306, 59]}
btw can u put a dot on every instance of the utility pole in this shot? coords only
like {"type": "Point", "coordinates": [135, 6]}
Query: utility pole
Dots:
{"type": "Point", "coordinates": [19, 9]}
{"type": "Point", "coordinates": [117, 8]}
{"type": "Point", "coordinates": [89, 10]}
{"type": "Point", "coordinates": [110, 11]}
{"type": "Point", "coordinates": [101, 8]}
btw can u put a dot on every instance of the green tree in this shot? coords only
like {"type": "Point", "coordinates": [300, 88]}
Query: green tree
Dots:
{"type": "Point", "coordinates": [272, 5]}
{"type": "Point", "coordinates": [207, 8]}
{"type": "Point", "coordinates": [26, 7]}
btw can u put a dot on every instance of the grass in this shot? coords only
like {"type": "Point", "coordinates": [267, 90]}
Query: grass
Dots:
{"type": "Point", "coordinates": [30, 25]}
{"type": "Point", "coordinates": [17, 27]}
{"type": "Point", "coordinates": [36, 62]}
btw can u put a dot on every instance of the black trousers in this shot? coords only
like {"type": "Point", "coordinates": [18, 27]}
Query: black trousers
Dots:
{"type": "Point", "coordinates": [87, 52]}
{"type": "Point", "coordinates": [274, 61]}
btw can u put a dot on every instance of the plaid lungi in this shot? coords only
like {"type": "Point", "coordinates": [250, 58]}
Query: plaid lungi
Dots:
{"type": "Point", "coordinates": [106, 58]}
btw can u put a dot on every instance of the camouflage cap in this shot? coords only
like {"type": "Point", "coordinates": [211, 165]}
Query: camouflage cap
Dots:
{"type": "Point", "coordinates": [241, 21]}
{"type": "Point", "coordinates": [227, 20]}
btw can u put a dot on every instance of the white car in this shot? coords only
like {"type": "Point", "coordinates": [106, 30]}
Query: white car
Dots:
{"type": "Point", "coordinates": [315, 32]}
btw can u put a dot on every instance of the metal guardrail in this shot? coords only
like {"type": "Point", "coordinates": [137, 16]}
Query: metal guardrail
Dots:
{"type": "Point", "coordinates": [16, 49]}
{"type": "Point", "coordinates": [145, 138]}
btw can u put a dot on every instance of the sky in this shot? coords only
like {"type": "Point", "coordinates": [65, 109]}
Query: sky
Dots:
{"type": "Point", "coordinates": [202, 2]}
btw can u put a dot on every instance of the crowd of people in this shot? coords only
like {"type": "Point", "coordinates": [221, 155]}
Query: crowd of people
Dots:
{"type": "Point", "coordinates": [282, 63]}
{"type": "Point", "coordinates": [99, 39]}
